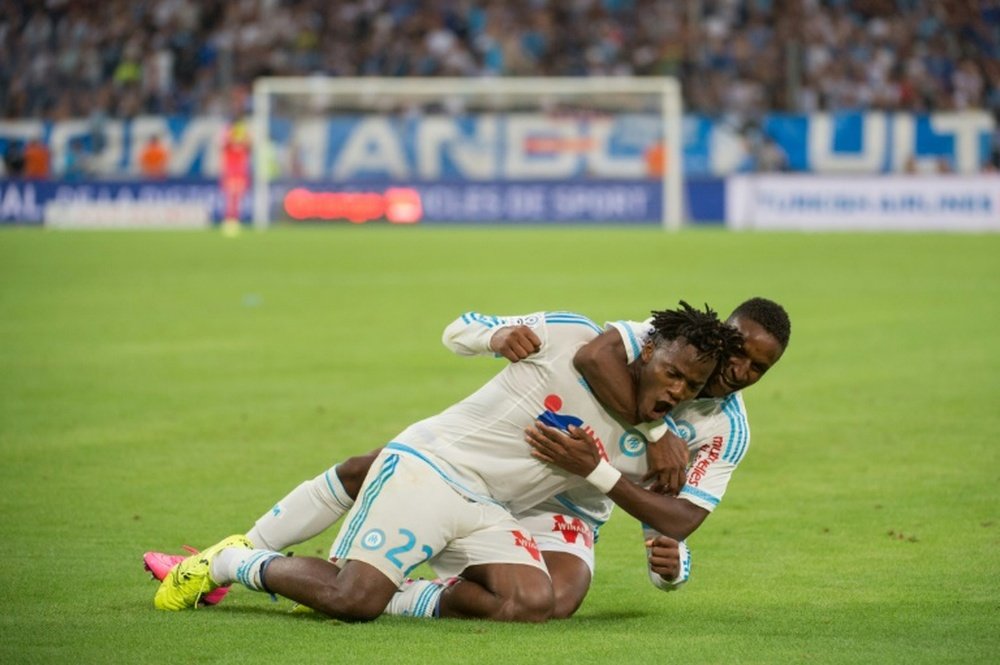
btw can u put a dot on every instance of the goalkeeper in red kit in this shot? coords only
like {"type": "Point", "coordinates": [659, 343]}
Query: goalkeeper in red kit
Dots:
{"type": "Point", "coordinates": [235, 174]}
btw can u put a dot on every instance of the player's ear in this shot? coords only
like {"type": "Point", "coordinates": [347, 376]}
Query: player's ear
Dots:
{"type": "Point", "coordinates": [647, 351]}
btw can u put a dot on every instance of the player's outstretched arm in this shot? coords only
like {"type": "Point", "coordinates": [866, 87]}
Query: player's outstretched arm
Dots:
{"type": "Point", "coordinates": [577, 453]}
{"type": "Point", "coordinates": [479, 334]}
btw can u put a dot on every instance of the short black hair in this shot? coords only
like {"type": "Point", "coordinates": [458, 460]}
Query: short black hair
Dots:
{"type": "Point", "coordinates": [771, 316]}
{"type": "Point", "coordinates": [702, 329]}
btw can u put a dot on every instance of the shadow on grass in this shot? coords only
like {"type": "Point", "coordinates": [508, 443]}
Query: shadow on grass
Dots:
{"type": "Point", "coordinates": [287, 614]}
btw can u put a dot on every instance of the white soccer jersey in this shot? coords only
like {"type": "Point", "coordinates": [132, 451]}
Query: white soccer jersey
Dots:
{"type": "Point", "coordinates": [716, 430]}
{"type": "Point", "coordinates": [478, 444]}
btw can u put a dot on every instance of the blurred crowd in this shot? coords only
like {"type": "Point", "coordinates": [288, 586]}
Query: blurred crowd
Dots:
{"type": "Point", "coordinates": [85, 58]}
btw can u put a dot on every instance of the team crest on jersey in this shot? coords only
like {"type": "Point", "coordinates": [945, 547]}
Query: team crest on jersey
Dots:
{"type": "Point", "coordinates": [685, 430]}
{"type": "Point", "coordinates": [528, 543]}
{"type": "Point", "coordinates": [373, 540]}
{"type": "Point", "coordinates": [632, 444]}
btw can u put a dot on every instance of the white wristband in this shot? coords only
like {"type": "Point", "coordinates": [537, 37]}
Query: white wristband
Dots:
{"type": "Point", "coordinates": [653, 432]}
{"type": "Point", "coordinates": [604, 476]}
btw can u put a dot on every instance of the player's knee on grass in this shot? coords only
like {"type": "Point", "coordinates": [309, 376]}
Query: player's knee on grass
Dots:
{"type": "Point", "coordinates": [519, 593]}
{"type": "Point", "coordinates": [570, 582]}
{"type": "Point", "coordinates": [530, 604]}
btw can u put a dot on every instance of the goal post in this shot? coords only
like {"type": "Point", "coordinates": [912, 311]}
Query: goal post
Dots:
{"type": "Point", "coordinates": [518, 149]}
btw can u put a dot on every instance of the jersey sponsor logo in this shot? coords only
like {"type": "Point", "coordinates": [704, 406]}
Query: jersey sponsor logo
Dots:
{"type": "Point", "coordinates": [552, 418]}
{"type": "Point", "coordinates": [373, 540]}
{"type": "Point", "coordinates": [707, 454]}
{"type": "Point", "coordinates": [685, 430]}
{"type": "Point", "coordinates": [572, 529]}
{"type": "Point", "coordinates": [528, 543]}
{"type": "Point", "coordinates": [597, 441]}
{"type": "Point", "coordinates": [632, 444]}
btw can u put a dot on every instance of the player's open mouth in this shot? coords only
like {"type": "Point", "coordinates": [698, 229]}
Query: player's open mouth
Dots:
{"type": "Point", "coordinates": [661, 409]}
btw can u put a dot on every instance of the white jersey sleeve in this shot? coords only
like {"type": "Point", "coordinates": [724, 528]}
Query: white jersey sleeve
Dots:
{"type": "Point", "coordinates": [718, 437]}
{"type": "Point", "coordinates": [470, 334]}
{"type": "Point", "coordinates": [634, 335]}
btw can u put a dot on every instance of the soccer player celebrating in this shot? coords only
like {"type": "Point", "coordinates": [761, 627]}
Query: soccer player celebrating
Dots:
{"type": "Point", "coordinates": [444, 489]}
{"type": "Point", "coordinates": [713, 429]}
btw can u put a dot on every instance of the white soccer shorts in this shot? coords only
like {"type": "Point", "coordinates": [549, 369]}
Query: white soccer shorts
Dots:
{"type": "Point", "coordinates": [407, 513]}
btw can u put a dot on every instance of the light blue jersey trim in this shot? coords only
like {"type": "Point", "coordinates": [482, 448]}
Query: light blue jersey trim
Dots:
{"type": "Point", "coordinates": [403, 448]}
{"type": "Point", "coordinates": [569, 317]}
{"type": "Point", "coordinates": [488, 321]}
{"type": "Point", "coordinates": [623, 326]}
{"type": "Point", "coordinates": [739, 431]}
{"type": "Point", "coordinates": [373, 490]}
{"type": "Point", "coordinates": [700, 494]}
{"type": "Point", "coordinates": [591, 521]}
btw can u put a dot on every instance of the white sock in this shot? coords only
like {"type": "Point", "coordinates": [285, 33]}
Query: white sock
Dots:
{"type": "Point", "coordinates": [417, 598]}
{"type": "Point", "coordinates": [236, 564]}
{"type": "Point", "coordinates": [309, 509]}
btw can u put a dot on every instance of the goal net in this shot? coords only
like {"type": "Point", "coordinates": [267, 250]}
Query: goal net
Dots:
{"type": "Point", "coordinates": [438, 150]}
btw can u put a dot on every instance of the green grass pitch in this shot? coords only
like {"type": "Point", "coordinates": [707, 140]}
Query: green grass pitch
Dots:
{"type": "Point", "coordinates": [159, 389]}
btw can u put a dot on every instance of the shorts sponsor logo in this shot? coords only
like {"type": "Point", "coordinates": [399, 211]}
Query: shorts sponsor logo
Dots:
{"type": "Point", "coordinates": [632, 444]}
{"type": "Point", "coordinates": [706, 455]}
{"type": "Point", "coordinates": [528, 543]}
{"type": "Point", "coordinates": [373, 540]}
{"type": "Point", "coordinates": [572, 529]}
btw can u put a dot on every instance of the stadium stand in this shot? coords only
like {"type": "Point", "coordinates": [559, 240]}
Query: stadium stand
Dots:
{"type": "Point", "coordinates": [96, 58]}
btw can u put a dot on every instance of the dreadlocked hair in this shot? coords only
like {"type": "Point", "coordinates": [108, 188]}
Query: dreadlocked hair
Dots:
{"type": "Point", "coordinates": [703, 330]}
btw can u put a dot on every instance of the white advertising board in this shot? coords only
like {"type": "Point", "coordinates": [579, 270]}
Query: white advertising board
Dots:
{"type": "Point", "coordinates": [127, 215]}
{"type": "Point", "coordinates": [864, 203]}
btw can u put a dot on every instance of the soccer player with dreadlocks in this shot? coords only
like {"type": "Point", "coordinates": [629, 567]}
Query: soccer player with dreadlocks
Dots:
{"type": "Point", "coordinates": [712, 432]}
{"type": "Point", "coordinates": [444, 489]}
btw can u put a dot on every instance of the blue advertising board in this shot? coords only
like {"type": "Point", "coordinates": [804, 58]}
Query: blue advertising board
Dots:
{"type": "Point", "coordinates": [532, 146]}
{"type": "Point", "coordinates": [24, 201]}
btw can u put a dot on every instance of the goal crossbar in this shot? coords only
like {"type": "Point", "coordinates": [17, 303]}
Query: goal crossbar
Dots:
{"type": "Point", "coordinates": [666, 89]}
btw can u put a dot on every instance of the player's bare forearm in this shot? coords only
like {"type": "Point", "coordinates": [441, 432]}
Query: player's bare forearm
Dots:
{"type": "Point", "coordinates": [667, 459]}
{"type": "Point", "coordinates": [677, 518]}
{"type": "Point", "coordinates": [577, 453]}
{"type": "Point", "coordinates": [602, 361]}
